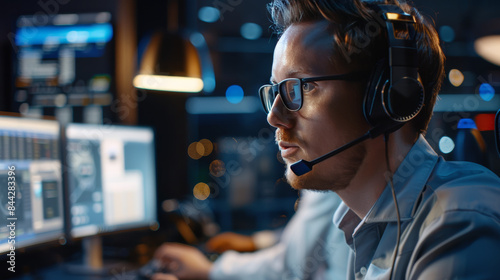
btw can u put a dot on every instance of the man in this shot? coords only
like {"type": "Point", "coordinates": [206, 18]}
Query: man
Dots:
{"type": "Point", "coordinates": [444, 219]}
{"type": "Point", "coordinates": [310, 247]}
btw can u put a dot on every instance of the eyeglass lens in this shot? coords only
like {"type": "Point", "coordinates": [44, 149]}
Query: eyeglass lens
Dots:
{"type": "Point", "coordinates": [290, 92]}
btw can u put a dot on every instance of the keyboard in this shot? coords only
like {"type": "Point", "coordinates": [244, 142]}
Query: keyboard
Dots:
{"type": "Point", "coordinates": [152, 267]}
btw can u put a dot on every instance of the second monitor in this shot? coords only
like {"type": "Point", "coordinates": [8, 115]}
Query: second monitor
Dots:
{"type": "Point", "coordinates": [110, 175]}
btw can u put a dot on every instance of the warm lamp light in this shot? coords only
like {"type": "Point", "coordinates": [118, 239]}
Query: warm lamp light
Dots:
{"type": "Point", "coordinates": [487, 43]}
{"type": "Point", "coordinates": [168, 83]}
{"type": "Point", "coordinates": [488, 47]}
{"type": "Point", "coordinates": [170, 63]}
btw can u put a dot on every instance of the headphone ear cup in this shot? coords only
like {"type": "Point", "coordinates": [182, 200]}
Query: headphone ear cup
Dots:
{"type": "Point", "coordinates": [373, 105]}
{"type": "Point", "coordinates": [404, 99]}
{"type": "Point", "coordinates": [385, 104]}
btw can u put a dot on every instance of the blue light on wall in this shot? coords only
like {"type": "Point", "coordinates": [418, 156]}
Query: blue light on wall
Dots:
{"type": "Point", "coordinates": [234, 94]}
{"type": "Point", "coordinates": [251, 31]}
{"type": "Point", "coordinates": [447, 33]}
{"type": "Point", "coordinates": [486, 91]}
{"type": "Point", "coordinates": [208, 14]}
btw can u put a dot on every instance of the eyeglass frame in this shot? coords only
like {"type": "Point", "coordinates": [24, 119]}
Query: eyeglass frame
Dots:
{"type": "Point", "coordinates": [276, 87]}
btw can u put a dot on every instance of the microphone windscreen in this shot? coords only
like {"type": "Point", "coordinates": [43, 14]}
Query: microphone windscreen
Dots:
{"type": "Point", "coordinates": [301, 167]}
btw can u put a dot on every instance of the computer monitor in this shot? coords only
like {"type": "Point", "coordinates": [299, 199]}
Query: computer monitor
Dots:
{"type": "Point", "coordinates": [30, 175]}
{"type": "Point", "coordinates": [63, 63]}
{"type": "Point", "coordinates": [110, 180]}
{"type": "Point", "coordinates": [110, 174]}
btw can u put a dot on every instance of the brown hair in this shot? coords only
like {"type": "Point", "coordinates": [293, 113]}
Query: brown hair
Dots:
{"type": "Point", "coordinates": [357, 37]}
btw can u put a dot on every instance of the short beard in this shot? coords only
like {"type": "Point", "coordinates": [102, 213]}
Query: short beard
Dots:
{"type": "Point", "coordinates": [347, 166]}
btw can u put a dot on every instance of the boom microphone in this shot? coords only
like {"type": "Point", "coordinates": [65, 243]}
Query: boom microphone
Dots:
{"type": "Point", "coordinates": [303, 166]}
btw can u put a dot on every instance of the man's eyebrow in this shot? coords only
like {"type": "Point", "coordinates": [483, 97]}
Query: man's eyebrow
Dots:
{"type": "Point", "coordinates": [295, 73]}
{"type": "Point", "coordinates": [290, 74]}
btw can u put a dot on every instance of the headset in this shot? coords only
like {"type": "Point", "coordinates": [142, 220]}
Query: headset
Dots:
{"type": "Point", "coordinates": [394, 93]}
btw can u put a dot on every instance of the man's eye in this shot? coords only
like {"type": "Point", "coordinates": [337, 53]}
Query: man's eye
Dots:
{"type": "Point", "coordinates": [307, 87]}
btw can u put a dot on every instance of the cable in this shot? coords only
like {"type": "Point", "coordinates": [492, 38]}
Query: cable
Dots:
{"type": "Point", "coordinates": [386, 138]}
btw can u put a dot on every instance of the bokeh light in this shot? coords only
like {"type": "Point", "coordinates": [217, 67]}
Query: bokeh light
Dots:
{"type": "Point", "coordinates": [217, 168]}
{"type": "Point", "coordinates": [447, 33]}
{"type": "Point", "coordinates": [446, 145]}
{"type": "Point", "coordinates": [170, 205]}
{"type": "Point", "coordinates": [200, 149]}
{"type": "Point", "coordinates": [486, 92]}
{"type": "Point", "coordinates": [208, 84]}
{"type": "Point", "coordinates": [208, 147]}
{"type": "Point", "coordinates": [196, 150]}
{"type": "Point", "coordinates": [456, 77]}
{"type": "Point", "coordinates": [201, 191]}
{"type": "Point", "coordinates": [208, 14]}
{"type": "Point", "coordinates": [197, 39]}
{"type": "Point", "coordinates": [234, 94]}
{"type": "Point", "coordinates": [251, 31]}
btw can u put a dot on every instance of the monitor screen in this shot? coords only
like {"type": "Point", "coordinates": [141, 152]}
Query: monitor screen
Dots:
{"type": "Point", "coordinates": [110, 178]}
{"type": "Point", "coordinates": [63, 61]}
{"type": "Point", "coordinates": [30, 176]}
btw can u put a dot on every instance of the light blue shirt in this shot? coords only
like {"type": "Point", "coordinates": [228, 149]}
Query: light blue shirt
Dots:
{"type": "Point", "coordinates": [450, 222]}
{"type": "Point", "coordinates": [311, 247]}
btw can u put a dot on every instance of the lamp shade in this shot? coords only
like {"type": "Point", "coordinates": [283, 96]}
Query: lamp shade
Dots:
{"type": "Point", "coordinates": [170, 63]}
{"type": "Point", "coordinates": [487, 43]}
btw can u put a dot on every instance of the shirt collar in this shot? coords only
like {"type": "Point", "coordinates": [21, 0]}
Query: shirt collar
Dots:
{"type": "Point", "coordinates": [409, 181]}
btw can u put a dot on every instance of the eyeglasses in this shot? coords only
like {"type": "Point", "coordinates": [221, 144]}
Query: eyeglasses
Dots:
{"type": "Point", "coordinates": [292, 90]}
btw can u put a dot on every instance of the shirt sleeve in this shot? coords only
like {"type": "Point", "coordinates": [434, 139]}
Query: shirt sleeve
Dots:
{"type": "Point", "coordinates": [263, 264]}
{"type": "Point", "coordinates": [307, 249]}
{"type": "Point", "coordinates": [266, 238]}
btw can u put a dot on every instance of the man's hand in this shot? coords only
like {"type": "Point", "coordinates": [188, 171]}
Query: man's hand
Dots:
{"type": "Point", "coordinates": [230, 241]}
{"type": "Point", "coordinates": [183, 261]}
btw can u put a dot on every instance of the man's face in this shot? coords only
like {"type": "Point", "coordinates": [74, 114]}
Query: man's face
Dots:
{"type": "Point", "coordinates": [331, 114]}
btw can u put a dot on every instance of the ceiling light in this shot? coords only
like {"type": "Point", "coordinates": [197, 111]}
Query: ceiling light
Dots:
{"type": "Point", "coordinates": [170, 63]}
